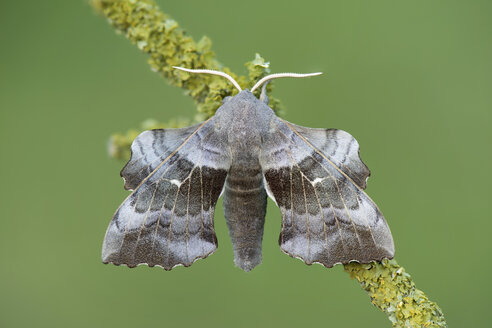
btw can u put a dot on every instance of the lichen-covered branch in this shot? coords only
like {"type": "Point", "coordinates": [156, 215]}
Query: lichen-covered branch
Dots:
{"type": "Point", "coordinates": [167, 45]}
{"type": "Point", "coordinates": [393, 291]}
{"type": "Point", "coordinates": [389, 287]}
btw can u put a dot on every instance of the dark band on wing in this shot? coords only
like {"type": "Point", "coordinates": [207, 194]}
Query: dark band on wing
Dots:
{"type": "Point", "coordinates": [168, 219]}
{"type": "Point", "coordinates": [324, 215]}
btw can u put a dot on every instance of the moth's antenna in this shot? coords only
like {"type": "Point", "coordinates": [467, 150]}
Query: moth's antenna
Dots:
{"type": "Point", "coordinates": [279, 75]}
{"type": "Point", "coordinates": [210, 71]}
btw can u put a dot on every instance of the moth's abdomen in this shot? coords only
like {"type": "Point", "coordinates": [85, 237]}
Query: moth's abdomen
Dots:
{"type": "Point", "coordinates": [245, 209]}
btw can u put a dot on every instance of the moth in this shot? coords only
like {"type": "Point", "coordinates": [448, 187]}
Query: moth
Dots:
{"type": "Point", "coordinates": [246, 153]}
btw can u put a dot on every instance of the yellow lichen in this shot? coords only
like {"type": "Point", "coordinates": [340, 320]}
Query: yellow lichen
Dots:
{"type": "Point", "coordinates": [167, 45]}
{"type": "Point", "coordinates": [392, 290]}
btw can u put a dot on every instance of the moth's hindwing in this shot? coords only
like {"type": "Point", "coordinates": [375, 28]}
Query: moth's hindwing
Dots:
{"type": "Point", "coordinates": [177, 175]}
{"type": "Point", "coordinates": [317, 179]}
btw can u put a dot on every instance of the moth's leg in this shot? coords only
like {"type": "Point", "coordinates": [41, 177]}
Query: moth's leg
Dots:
{"type": "Point", "coordinates": [263, 95]}
{"type": "Point", "coordinates": [226, 99]}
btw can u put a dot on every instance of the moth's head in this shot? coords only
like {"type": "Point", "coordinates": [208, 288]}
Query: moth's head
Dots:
{"type": "Point", "coordinates": [264, 81]}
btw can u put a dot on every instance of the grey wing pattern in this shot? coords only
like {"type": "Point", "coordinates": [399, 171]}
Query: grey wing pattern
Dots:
{"type": "Point", "coordinates": [317, 179]}
{"type": "Point", "coordinates": [149, 149]}
{"type": "Point", "coordinates": [168, 218]}
{"type": "Point", "coordinates": [341, 148]}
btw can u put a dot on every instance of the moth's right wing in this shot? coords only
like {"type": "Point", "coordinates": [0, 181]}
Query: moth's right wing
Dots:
{"type": "Point", "coordinates": [177, 176]}
{"type": "Point", "coordinates": [317, 179]}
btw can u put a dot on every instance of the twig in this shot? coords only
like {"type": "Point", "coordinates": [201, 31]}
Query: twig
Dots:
{"type": "Point", "coordinates": [393, 291]}
{"type": "Point", "coordinates": [167, 45]}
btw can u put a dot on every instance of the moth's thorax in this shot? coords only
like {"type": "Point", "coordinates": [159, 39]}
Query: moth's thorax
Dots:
{"type": "Point", "coordinates": [245, 119]}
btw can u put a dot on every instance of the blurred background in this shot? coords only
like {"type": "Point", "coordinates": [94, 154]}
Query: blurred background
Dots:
{"type": "Point", "coordinates": [412, 81]}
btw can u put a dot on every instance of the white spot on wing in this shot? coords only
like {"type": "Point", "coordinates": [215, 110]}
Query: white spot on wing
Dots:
{"type": "Point", "coordinates": [268, 191]}
{"type": "Point", "coordinates": [176, 182]}
{"type": "Point", "coordinates": [222, 191]}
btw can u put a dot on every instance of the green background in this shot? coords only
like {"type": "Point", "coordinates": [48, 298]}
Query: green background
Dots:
{"type": "Point", "coordinates": [411, 80]}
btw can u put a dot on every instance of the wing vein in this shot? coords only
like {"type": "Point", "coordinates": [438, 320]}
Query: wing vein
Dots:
{"type": "Point", "coordinates": [307, 214]}
{"type": "Point", "coordinates": [157, 226]}
{"type": "Point", "coordinates": [324, 223]}
{"type": "Point", "coordinates": [145, 219]}
{"type": "Point", "coordinates": [187, 239]}
{"type": "Point", "coordinates": [168, 157]}
{"type": "Point", "coordinates": [365, 217]}
{"type": "Point", "coordinates": [336, 184]}
{"type": "Point", "coordinates": [318, 151]}
{"type": "Point", "coordinates": [201, 203]}
{"type": "Point", "coordinates": [169, 234]}
{"type": "Point", "coordinates": [130, 219]}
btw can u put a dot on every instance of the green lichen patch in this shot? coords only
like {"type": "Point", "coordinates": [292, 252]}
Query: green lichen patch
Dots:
{"type": "Point", "coordinates": [257, 69]}
{"type": "Point", "coordinates": [168, 45]}
{"type": "Point", "coordinates": [393, 291]}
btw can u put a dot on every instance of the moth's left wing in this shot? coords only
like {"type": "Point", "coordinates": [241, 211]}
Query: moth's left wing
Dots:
{"type": "Point", "coordinates": [177, 176]}
{"type": "Point", "coordinates": [317, 179]}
